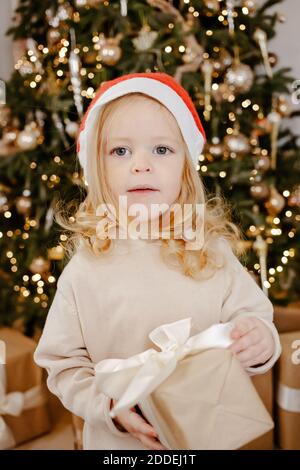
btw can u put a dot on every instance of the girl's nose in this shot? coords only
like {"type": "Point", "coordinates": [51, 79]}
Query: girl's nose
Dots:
{"type": "Point", "coordinates": [141, 169]}
{"type": "Point", "coordinates": [141, 164]}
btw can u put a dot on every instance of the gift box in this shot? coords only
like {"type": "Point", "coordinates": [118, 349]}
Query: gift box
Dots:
{"type": "Point", "coordinates": [193, 390]}
{"type": "Point", "coordinates": [287, 377]}
{"type": "Point", "coordinates": [287, 318]}
{"type": "Point", "coordinates": [23, 393]}
{"type": "Point", "coordinates": [264, 385]}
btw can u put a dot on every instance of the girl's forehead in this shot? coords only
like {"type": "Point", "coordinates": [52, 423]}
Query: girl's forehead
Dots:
{"type": "Point", "coordinates": [132, 117]}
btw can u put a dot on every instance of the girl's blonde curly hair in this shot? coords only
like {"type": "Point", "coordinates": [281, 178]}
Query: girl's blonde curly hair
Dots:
{"type": "Point", "coordinates": [82, 222]}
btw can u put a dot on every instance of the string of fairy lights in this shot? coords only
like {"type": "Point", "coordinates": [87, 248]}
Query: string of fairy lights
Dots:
{"type": "Point", "coordinates": [72, 62]}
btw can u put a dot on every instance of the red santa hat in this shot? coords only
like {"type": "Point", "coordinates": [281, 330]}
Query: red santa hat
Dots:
{"type": "Point", "coordinates": [161, 86]}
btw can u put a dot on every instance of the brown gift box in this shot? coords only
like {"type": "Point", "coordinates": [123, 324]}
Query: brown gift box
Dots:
{"type": "Point", "coordinates": [287, 318]}
{"type": "Point", "coordinates": [263, 384]}
{"type": "Point", "coordinates": [226, 413]}
{"type": "Point", "coordinates": [21, 374]}
{"type": "Point", "coordinates": [287, 373]}
{"type": "Point", "coordinates": [194, 391]}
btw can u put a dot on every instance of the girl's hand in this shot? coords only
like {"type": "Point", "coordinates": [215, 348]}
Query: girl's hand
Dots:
{"type": "Point", "coordinates": [254, 343]}
{"type": "Point", "coordinates": [133, 423]}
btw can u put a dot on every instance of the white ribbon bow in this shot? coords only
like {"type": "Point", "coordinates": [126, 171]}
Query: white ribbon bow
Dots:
{"type": "Point", "coordinates": [13, 404]}
{"type": "Point", "coordinates": [130, 380]}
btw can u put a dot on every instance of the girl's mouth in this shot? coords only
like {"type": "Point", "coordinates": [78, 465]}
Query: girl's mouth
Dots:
{"type": "Point", "coordinates": [144, 190]}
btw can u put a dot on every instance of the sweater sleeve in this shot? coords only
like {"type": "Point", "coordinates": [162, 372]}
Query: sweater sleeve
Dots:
{"type": "Point", "coordinates": [243, 297]}
{"type": "Point", "coordinates": [61, 351]}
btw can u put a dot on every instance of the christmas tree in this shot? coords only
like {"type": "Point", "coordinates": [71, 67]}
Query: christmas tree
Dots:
{"type": "Point", "coordinates": [218, 50]}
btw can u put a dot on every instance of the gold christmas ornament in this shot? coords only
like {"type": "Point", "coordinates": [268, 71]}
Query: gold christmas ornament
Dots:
{"type": "Point", "coordinates": [56, 253]}
{"type": "Point", "coordinates": [9, 136]}
{"type": "Point", "coordinates": [39, 265]}
{"type": "Point", "coordinates": [259, 191]}
{"type": "Point", "coordinates": [283, 106]}
{"type": "Point", "coordinates": [240, 78]}
{"type": "Point", "coordinates": [28, 138]}
{"type": "Point", "coordinates": [23, 205]}
{"type": "Point", "coordinates": [111, 53]}
{"type": "Point", "coordinates": [215, 151]}
{"type": "Point", "coordinates": [262, 163]}
{"type": "Point", "coordinates": [237, 143]}
{"type": "Point", "coordinates": [276, 202]}
{"type": "Point", "coordinates": [145, 39]}
{"type": "Point", "coordinates": [53, 37]}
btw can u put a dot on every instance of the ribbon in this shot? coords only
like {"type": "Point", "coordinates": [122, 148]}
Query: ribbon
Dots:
{"type": "Point", "coordinates": [14, 403]}
{"type": "Point", "coordinates": [131, 380]}
{"type": "Point", "coordinates": [288, 398]}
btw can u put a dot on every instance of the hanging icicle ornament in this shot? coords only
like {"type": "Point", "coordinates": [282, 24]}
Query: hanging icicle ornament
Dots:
{"type": "Point", "coordinates": [74, 66]}
{"type": "Point", "coordinates": [275, 119]}
{"type": "Point", "coordinates": [261, 248]}
{"type": "Point", "coordinates": [230, 19]}
{"type": "Point", "coordinates": [60, 127]}
{"type": "Point", "coordinates": [207, 69]}
{"type": "Point", "coordinates": [123, 7]}
{"type": "Point", "coordinates": [260, 36]}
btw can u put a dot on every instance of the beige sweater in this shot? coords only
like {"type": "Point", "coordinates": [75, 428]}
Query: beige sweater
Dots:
{"type": "Point", "coordinates": [105, 308]}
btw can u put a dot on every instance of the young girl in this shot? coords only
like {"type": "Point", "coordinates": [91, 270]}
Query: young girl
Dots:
{"type": "Point", "coordinates": [142, 130]}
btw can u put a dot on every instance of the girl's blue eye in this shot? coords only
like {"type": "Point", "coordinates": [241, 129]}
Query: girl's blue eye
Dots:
{"type": "Point", "coordinates": [118, 148]}
{"type": "Point", "coordinates": [163, 147]}
{"type": "Point", "coordinates": [123, 148]}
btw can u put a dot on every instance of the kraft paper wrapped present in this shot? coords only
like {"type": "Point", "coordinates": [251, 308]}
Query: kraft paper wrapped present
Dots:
{"type": "Point", "coordinates": [288, 392]}
{"type": "Point", "coordinates": [193, 391]}
{"type": "Point", "coordinates": [23, 394]}
{"type": "Point", "coordinates": [287, 318]}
